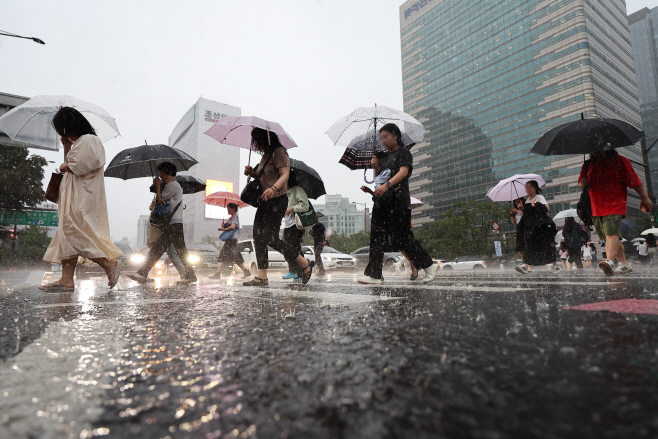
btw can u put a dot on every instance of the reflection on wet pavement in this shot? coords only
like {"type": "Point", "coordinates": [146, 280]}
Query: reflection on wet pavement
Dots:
{"type": "Point", "coordinates": [471, 355]}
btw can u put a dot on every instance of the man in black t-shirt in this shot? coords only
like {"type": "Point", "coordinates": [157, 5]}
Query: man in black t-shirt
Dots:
{"type": "Point", "coordinates": [319, 234]}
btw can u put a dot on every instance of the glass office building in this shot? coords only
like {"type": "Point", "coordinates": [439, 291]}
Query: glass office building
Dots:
{"type": "Point", "coordinates": [488, 77]}
{"type": "Point", "coordinates": [644, 36]}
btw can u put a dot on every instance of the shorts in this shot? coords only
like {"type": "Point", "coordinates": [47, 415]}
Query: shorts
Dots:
{"type": "Point", "coordinates": [609, 225]}
{"type": "Point", "coordinates": [587, 258]}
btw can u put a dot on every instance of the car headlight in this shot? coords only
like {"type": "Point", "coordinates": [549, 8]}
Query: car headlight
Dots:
{"type": "Point", "coordinates": [193, 259]}
{"type": "Point", "coordinates": [328, 258]}
{"type": "Point", "coordinates": [159, 264]}
{"type": "Point", "coordinates": [137, 259]}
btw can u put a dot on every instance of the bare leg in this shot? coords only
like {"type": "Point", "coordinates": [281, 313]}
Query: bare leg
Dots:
{"type": "Point", "coordinates": [220, 268]}
{"type": "Point", "coordinates": [68, 273]}
{"type": "Point", "coordinates": [529, 267]}
{"type": "Point", "coordinates": [614, 249]}
{"type": "Point", "coordinates": [414, 270]}
{"type": "Point", "coordinates": [107, 265]}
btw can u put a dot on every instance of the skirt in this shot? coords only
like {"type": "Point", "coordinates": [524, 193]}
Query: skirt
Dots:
{"type": "Point", "coordinates": [230, 253]}
{"type": "Point", "coordinates": [520, 240]}
{"type": "Point", "coordinates": [539, 246]}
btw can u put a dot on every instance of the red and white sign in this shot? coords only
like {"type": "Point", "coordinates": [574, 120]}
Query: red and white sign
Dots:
{"type": "Point", "coordinates": [494, 226]}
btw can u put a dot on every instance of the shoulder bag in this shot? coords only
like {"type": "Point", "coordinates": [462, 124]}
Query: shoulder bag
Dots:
{"type": "Point", "coordinates": [305, 220]}
{"type": "Point", "coordinates": [228, 234]}
{"type": "Point", "coordinates": [254, 189]}
{"type": "Point", "coordinates": [52, 191]}
{"type": "Point", "coordinates": [584, 206]}
{"type": "Point", "coordinates": [162, 214]}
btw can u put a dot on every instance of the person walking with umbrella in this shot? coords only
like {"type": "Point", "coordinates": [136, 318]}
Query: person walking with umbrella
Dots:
{"type": "Point", "coordinates": [297, 203]}
{"type": "Point", "coordinates": [516, 213]}
{"type": "Point", "coordinates": [83, 228]}
{"type": "Point", "coordinates": [172, 230]}
{"type": "Point", "coordinates": [274, 172]}
{"type": "Point", "coordinates": [391, 214]}
{"type": "Point", "coordinates": [574, 236]}
{"type": "Point", "coordinates": [606, 175]}
{"type": "Point", "coordinates": [230, 252]}
{"type": "Point", "coordinates": [538, 231]}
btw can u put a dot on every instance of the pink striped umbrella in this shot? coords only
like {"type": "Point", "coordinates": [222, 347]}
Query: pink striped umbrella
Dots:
{"type": "Point", "coordinates": [222, 199]}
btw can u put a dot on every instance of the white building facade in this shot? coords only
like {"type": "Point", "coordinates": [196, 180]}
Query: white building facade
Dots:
{"type": "Point", "coordinates": [142, 224]}
{"type": "Point", "coordinates": [218, 167]}
{"type": "Point", "coordinates": [341, 216]}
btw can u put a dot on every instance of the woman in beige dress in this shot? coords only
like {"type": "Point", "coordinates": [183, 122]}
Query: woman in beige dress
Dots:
{"type": "Point", "coordinates": [83, 228]}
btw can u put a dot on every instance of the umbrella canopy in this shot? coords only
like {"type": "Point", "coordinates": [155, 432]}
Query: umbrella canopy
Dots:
{"type": "Point", "coordinates": [143, 161]}
{"type": "Point", "coordinates": [653, 231]}
{"type": "Point", "coordinates": [638, 240]}
{"type": "Point", "coordinates": [307, 178]}
{"type": "Point", "coordinates": [353, 131]}
{"type": "Point", "coordinates": [223, 199]}
{"type": "Point", "coordinates": [569, 213]}
{"type": "Point", "coordinates": [415, 202]}
{"type": "Point", "coordinates": [367, 120]}
{"type": "Point", "coordinates": [31, 122]}
{"type": "Point", "coordinates": [513, 187]}
{"type": "Point", "coordinates": [236, 131]}
{"type": "Point", "coordinates": [586, 136]}
{"type": "Point", "coordinates": [638, 243]}
{"type": "Point", "coordinates": [189, 184]}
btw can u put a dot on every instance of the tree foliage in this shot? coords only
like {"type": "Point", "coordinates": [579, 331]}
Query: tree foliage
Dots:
{"type": "Point", "coordinates": [31, 247]}
{"type": "Point", "coordinates": [466, 230]}
{"type": "Point", "coordinates": [21, 178]}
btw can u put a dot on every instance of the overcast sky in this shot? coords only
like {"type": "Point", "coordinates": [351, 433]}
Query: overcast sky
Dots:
{"type": "Point", "coordinates": [301, 63]}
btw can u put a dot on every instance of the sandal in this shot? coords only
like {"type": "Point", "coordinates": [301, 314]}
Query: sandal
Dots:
{"type": "Point", "coordinates": [56, 288]}
{"type": "Point", "coordinates": [256, 282]}
{"type": "Point", "coordinates": [306, 276]}
{"type": "Point", "coordinates": [116, 272]}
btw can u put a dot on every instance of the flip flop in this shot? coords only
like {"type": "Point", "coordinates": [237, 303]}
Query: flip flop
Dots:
{"type": "Point", "coordinates": [56, 288]}
{"type": "Point", "coordinates": [116, 272]}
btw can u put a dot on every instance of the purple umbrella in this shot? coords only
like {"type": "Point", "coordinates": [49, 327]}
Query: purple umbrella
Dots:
{"type": "Point", "coordinates": [236, 131]}
{"type": "Point", "coordinates": [415, 202]}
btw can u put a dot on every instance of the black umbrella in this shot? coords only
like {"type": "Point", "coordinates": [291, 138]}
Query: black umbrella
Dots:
{"type": "Point", "coordinates": [142, 161]}
{"type": "Point", "coordinates": [586, 136]}
{"type": "Point", "coordinates": [189, 184]}
{"type": "Point", "coordinates": [307, 178]}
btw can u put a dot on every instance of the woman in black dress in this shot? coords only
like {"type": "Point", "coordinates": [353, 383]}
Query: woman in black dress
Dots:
{"type": "Point", "coordinates": [538, 231]}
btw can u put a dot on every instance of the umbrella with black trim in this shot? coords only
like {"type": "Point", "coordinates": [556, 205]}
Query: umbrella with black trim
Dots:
{"type": "Point", "coordinates": [143, 161]}
{"type": "Point", "coordinates": [307, 178]}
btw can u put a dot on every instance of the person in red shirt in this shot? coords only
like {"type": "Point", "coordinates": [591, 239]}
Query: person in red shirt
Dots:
{"type": "Point", "coordinates": [608, 177]}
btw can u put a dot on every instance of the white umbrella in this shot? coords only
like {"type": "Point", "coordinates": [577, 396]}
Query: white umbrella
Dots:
{"type": "Point", "coordinates": [637, 244]}
{"type": "Point", "coordinates": [31, 122]}
{"type": "Point", "coordinates": [569, 213]}
{"type": "Point", "coordinates": [415, 202]}
{"type": "Point", "coordinates": [367, 120]}
{"type": "Point", "coordinates": [652, 230]}
{"type": "Point", "coordinates": [638, 240]}
{"type": "Point", "coordinates": [513, 187]}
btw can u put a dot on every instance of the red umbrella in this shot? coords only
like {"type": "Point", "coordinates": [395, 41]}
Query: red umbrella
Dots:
{"type": "Point", "coordinates": [222, 199]}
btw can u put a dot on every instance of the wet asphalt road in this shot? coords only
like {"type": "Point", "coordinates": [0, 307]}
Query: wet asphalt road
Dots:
{"type": "Point", "coordinates": [473, 355]}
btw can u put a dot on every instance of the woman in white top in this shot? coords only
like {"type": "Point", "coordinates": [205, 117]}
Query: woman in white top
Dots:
{"type": "Point", "coordinates": [587, 255]}
{"type": "Point", "coordinates": [230, 252]}
{"type": "Point", "coordinates": [643, 250]}
{"type": "Point", "coordinates": [538, 231]}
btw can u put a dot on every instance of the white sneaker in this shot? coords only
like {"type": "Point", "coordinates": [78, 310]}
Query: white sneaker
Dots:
{"type": "Point", "coordinates": [430, 273]}
{"type": "Point", "coordinates": [367, 280]}
{"type": "Point", "coordinates": [523, 268]}
{"type": "Point", "coordinates": [608, 267]}
{"type": "Point", "coordinates": [623, 269]}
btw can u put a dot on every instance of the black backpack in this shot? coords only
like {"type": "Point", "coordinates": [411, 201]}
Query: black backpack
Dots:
{"type": "Point", "coordinates": [584, 206]}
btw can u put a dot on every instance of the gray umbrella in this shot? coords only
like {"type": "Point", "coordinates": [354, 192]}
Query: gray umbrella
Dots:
{"type": "Point", "coordinates": [143, 161]}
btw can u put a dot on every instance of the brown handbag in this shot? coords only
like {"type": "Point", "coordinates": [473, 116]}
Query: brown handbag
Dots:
{"type": "Point", "coordinates": [52, 192]}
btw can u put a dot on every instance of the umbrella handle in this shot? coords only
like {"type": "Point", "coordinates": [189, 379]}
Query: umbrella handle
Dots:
{"type": "Point", "coordinates": [365, 177]}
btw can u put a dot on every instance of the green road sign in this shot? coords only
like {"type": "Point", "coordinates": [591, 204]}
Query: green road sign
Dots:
{"type": "Point", "coordinates": [29, 218]}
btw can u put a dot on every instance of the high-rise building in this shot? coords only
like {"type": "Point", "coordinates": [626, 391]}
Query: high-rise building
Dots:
{"type": "Point", "coordinates": [488, 77]}
{"type": "Point", "coordinates": [643, 26]}
{"type": "Point", "coordinates": [341, 216]}
{"type": "Point", "coordinates": [218, 167]}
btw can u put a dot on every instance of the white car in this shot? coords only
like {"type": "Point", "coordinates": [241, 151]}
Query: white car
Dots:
{"type": "Point", "coordinates": [331, 258]}
{"type": "Point", "coordinates": [248, 252]}
{"type": "Point", "coordinates": [464, 263]}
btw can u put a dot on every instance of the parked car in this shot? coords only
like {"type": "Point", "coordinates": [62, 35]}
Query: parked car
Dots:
{"type": "Point", "coordinates": [201, 257]}
{"type": "Point", "coordinates": [131, 262]}
{"type": "Point", "coordinates": [248, 252]}
{"type": "Point", "coordinates": [331, 258]}
{"type": "Point", "coordinates": [391, 259]}
{"type": "Point", "coordinates": [464, 263]}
